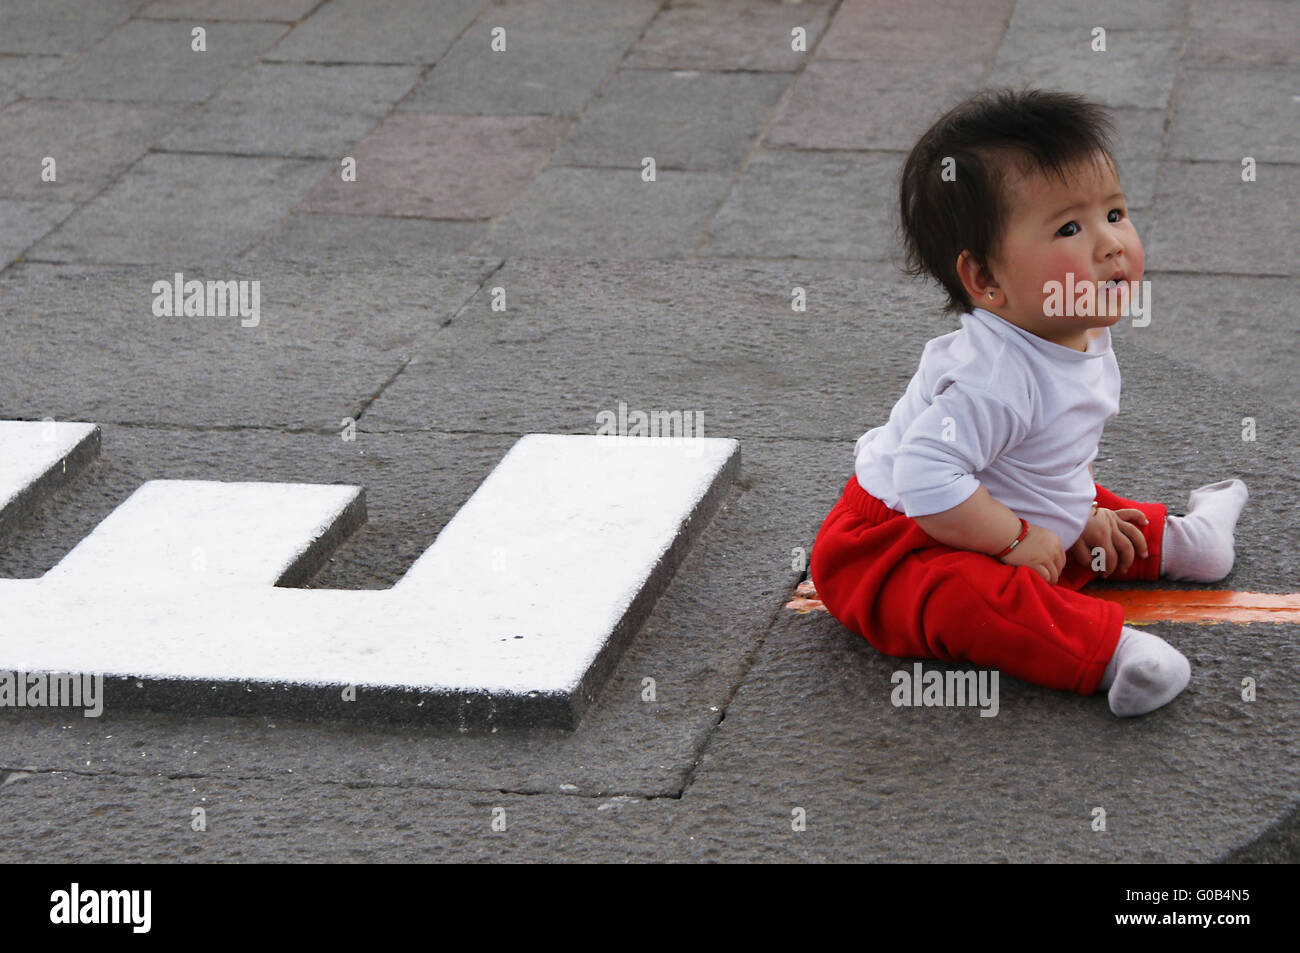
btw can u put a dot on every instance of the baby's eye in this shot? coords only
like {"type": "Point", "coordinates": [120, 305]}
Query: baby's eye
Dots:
{"type": "Point", "coordinates": [1062, 230]}
{"type": "Point", "coordinates": [1117, 212]}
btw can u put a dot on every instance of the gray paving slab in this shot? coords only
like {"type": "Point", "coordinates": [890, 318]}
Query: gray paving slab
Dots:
{"type": "Point", "coordinates": [940, 774]}
{"type": "Point", "coordinates": [568, 211]}
{"type": "Point", "coordinates": [1280, 844]}
{"type": "Point", "coordinates": [282, 11]}
{"type": "Point", "coordinates": [1242, 34]}
{"type": "Point", "coordinates": [903, 57]}
{"type": "Point", "coordinates": [796, 204]}
{"type": "Point", "coordinates": [855, 20]}
{"type": "Point", "coordinates": [91, 144]}
{"type": "Point", "coordinates": [23, 223]}
{"type": "Point", "coordinates": [685, 119]}
{"type": "Point", "coordinates": [1228, 114]}
{"type": "Point", "coordinates": [152, 61]}
{"type": "Point", "coordinates": [1206, 219]}
{"type": "Point", "coordinates": [1136, 68]}
{"type": "Point", "coordinates": [280, 820]}
{"type": "Point", "coordinates": [607, 331]}
{"type": "Point", "coordinates": [1139, 138]}
{"type": "Point", "coordinates": [894, 785]}
{"type": "Point", "coordinates": [427, 165]}
{"type": "Point", "coordinates": [21, 75]}
{"type": "Point", "coordinates": [557, 52]}
{"type": "Point", "coordinates": [294, 109]}
{"type": "Point", "coordinates": [84, 344]}
{"type": "Point", "coordinates": [59, 26]}
{"type": "Point", "coordinates": [729, 35]}
{"type": "Point", "coordinates": [353, 31]}
{"type": "Point", "coordinates": [860, 104]}
{"type": "Point", "coordinates": [342, 241]}
{"type": "Point", "coordinates": [1111, 14]}
{"type": "Point", "coordinates": [915, 37]}
{"type": "Point", "coordinates": [1240, 338]}
{"type": "Point", "coordinates": [182, 209]}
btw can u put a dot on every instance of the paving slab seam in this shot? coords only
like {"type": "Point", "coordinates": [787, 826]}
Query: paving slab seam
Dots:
{"type": "Point", "coordinates": [20, 257]}
{"type": "Point", "coordinates": [697, 257]}
{"type": "Point", "coordinates": [8, 769]}
{"type": "Point", "coordinates": [777, 438]}
{"type": "Point", "coordinates": [160, 18]}
{"type": "Point", "coordinates": [1259, 164]}
{"type": "Point", "coordinates": [33, 771]}
{"type": "Point", "coordinates": [189, 111]}
{"type": "Point", "coordinates": [1220, 274]}
{"type": "Point", "coordinates": [422, 65]}
{"type": "Point", "coordinates": [501, 263]}
{"type": "Point", "coordinates": [722, 69]}
{"type": "Point", "coordinates": [359, 785]}
{"type": "Point", "coordinates": [427, 65]}
{"type": "Point", "coordinates": [247, 155]}
{"type": "Point", "coordinates": [366, 402]}
{"type": "Point", "coordinates": [1167, 128]}
{"type": "Point", "coordinates": [1251, 851]}
{"type": "Point", "coordinates": [365, 405]}
{"type": "Point", "coordinates": [61, 263]}
{"type": "Point", "coordinates": [836, 150]}
{"type": "Point", "coordinates": [746, 660]}
{"type": "Point", "coordinates": [706, 240]}
{"type": "Point", "coordinates": [333, 432]}
{"type": "Point", "coordinates": [223, 428]}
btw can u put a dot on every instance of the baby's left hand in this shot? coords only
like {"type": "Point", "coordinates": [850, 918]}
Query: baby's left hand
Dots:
{"type": "Point", "coordinates": [1114, 532]}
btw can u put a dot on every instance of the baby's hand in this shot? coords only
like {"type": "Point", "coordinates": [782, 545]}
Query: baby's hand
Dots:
{"type": "Point", "coordinates": [1041, 551]}
{"type": "Point", "coordinates": [1114, 532]}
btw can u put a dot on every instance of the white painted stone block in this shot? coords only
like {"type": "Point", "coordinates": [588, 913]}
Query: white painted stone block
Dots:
{"type": "Point", "coordinates": [526, 589]}
{"type": "Point", "coordinates": [29, 449]}
{"type": "Point", "coordinates": [180, 533]}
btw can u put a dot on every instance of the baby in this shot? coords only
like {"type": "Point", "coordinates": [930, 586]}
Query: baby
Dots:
{"type": "Point", "coordinates": [951, 538]}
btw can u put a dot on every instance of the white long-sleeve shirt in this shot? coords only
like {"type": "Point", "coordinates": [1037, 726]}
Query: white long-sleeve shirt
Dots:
{"type": "Point", "coordinates": [993, 404]}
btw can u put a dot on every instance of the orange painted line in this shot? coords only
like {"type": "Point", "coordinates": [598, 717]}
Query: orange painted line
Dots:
{"type": "Point", "coordinates": [1156, 605]}
{"type": "Point", "coordinates": [805, 605]}
{"type": "Point", "coordinates": [1203, 605]}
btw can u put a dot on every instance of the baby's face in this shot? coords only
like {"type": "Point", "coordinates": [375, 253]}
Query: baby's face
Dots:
{"type": "Point", "coordinates": [1079, 227]}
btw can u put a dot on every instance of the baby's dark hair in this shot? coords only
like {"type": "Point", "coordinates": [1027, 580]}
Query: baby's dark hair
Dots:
{"type": "Point", "coordinates": [960, 205]}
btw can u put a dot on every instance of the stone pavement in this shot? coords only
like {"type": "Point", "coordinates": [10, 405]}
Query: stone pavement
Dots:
{"type": "Point", "coordinates": [521, 170]}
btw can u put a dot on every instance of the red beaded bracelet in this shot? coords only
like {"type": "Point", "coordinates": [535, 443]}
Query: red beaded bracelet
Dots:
{"type": "Point", "coordinates": [1024, 529]}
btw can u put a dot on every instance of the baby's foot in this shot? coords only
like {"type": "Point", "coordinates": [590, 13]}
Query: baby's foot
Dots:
{"type": "Point", "coordinates": [1145, 673]}
{"type": "Point", "coordinates": [1199, 547]}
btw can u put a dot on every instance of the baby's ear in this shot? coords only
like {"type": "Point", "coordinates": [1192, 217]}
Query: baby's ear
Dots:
{"type": "Point", "coordinates": [972, 274]}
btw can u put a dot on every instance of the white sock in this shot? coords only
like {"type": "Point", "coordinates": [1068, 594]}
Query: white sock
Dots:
{"type": "Point", "coordinates": [1144, 673]}
{"type": "Point", "coordinates": [1199, 547]}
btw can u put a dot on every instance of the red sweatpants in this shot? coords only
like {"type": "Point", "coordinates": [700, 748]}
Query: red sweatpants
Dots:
{"type": "Point", "coordinates": [911, 596]}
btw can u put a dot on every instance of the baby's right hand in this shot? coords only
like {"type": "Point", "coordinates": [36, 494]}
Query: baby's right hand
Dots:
{"type": "Point", "coordinates": [1041, 550]}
